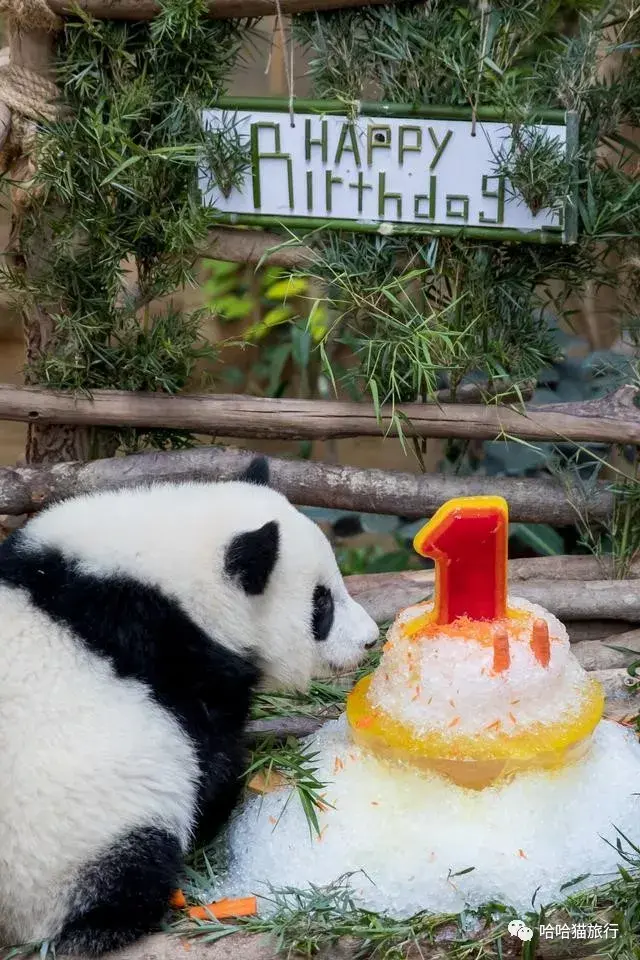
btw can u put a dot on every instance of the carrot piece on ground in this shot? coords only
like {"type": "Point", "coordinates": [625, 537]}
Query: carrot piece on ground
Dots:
{"type": "Point", "coordinates": [177, 900]}
{"type": "Point", "coordinates": [226, 909]}
{"type": "Point", "coordinates": [501, 656]}
{"type": "Point", "coordinates": [540, 642]}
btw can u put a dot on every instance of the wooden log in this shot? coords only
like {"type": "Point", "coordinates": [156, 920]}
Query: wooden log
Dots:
{"type": "Point", "coordinates": [218, 9]}
{"type": "Point", "coordinates": [612, 419]}
{"type": "Point", "coordinates": [46, 443]}
{"type": "Point", "coordinates": [5, 124]}
{"type": "Point", "coordinates": [580, 630]}
{"type": "Point", "coordinates": [257, 247]}
{"type": "Point", "coordinates": [603, 655]}
{"type": "Point", "coordinates": [567, 599]}
{"type": "Point", "coordinates": [571, 600]}
{"type": "Point", "coordinates": [283, 727]}
{"type": "Point", "coordinates": [573, 567]}
{"type": "Point", "coordinates": [162, 946]}
{"type": "Point", "coordinates": [305, 483]}
{"type": "Point", "coordinates": [383, 594]}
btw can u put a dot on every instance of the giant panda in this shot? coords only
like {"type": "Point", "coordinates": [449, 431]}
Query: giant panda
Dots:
{"type": "Point", "coordinates": [135, 625]}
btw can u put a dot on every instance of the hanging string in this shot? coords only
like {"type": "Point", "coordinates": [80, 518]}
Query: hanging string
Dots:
{"type": "Point", "coordinates": [288, 62]}
{"type": "Point", "coordinates": [485, 8]}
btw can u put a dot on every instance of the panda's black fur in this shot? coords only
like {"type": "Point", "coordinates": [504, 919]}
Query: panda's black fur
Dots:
{"type": "Point", "coordinates": [145, 636]}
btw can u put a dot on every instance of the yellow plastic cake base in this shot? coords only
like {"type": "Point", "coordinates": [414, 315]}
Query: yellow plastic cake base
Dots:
{"type": "Point", "coordinates": [474, 760]}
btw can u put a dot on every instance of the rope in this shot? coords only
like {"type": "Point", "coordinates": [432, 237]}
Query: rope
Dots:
{"type": "Point", "coordinates": [29, 96]}
{"type": "Point", "coordinates": [31, 14]}
{"type": "Point", "coordinates": [28, 93]}
{"type": "Point", "coordinates": [485, 9]}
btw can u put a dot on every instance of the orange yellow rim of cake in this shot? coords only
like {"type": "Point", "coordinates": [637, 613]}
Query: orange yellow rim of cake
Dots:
{"type": "Point", "coordinates": [538, 746]}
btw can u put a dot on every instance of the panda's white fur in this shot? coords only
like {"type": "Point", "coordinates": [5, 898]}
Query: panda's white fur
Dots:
{"type": "Point", "coordinates": [90, 755]}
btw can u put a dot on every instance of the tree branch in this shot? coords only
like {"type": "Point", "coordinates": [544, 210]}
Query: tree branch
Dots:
{"type": "Point", "coordinates": [219, 9]}
{"type": "Point", "coordinates": [305, 483]}
{"type": "Point", "coordinates": [611, 419]}
{"type": "Point", "coordinates": [5, 124]}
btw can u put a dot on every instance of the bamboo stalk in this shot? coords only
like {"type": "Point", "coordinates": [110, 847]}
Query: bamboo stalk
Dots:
{"type": "Point", "coordinates": [612, 419]}
{"type": "Point", "coordinates": [27, 489]}
{"type": "Point", "coordinates": [218, 9]}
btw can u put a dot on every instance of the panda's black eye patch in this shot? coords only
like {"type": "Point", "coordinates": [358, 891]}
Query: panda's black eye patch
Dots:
{"type": "Point", "coordinates": [322, 616]}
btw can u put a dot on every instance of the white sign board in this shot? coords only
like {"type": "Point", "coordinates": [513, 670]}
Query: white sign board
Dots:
{"type": "Point", "coordinates": [379, 173]}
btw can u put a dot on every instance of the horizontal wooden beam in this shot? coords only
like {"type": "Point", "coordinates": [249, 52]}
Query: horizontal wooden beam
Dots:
{"type": "Point", "coordinates": [305, 483]}
{"type": "Point", "coordinates": [557, 583]}
{"type": "Point", "coordinates": [566, 599]}
{"type": "Point", "coordinates": [256, 247]}
{"type": "Point", "coordinates": [611, 419]}
{"type": "Point", "coordinates": [218, 9]}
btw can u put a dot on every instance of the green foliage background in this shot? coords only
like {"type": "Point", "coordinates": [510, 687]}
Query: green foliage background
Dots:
{"type": "Point", "coordinates": [118, 189]}
{"type": "Point", "coordinates": [420, 313]}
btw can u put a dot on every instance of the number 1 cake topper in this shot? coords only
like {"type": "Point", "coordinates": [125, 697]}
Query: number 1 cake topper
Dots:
{"type": "Point", "coordinates": [467, 537]}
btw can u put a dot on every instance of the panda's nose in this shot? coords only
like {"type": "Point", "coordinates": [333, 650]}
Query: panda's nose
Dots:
{"type": "Point", "coordinates": [370, 646]}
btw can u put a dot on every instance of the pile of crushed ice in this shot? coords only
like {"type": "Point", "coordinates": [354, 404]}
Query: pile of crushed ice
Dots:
{"type": "Point", "coordinates": [413, 840]}
{"type": "Point", "coordinates": [408, 836]}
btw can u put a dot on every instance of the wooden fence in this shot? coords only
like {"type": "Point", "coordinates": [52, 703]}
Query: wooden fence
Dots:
{"type": "Point", "coordinates": [53, 416]}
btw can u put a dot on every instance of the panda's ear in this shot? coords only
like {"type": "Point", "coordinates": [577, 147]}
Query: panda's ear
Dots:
{"type": "Point", "coordinates": [251, 557]}
{"type": "Point", "coordinates": [257, 472]}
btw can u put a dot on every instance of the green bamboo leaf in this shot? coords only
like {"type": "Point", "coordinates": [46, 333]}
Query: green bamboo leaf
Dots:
{"type": "Point", "coordinates": [542, 538]}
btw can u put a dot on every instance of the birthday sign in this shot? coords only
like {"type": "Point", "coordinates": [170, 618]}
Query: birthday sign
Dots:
{"type": "Point", "coordinates": [378, 172]}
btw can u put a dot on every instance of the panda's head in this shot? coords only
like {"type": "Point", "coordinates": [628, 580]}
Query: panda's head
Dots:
{"type": "Point", "coordinates": [251, 570]}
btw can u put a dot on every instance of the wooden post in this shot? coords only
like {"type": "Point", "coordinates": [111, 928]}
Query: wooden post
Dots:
{"type": "Point", "coordinates": [33, 49]}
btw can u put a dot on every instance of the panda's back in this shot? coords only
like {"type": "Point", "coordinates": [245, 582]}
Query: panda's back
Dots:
{"type": "Point", "coordinates": [85, 755]}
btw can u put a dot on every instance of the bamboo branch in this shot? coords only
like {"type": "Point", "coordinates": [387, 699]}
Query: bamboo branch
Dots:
{"type": "Point", "coordinates": [611, 419]}
{"type": "Point", "coordinates": [305, 483]}
{"type": "Point", "coordinates": [219, 9]}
